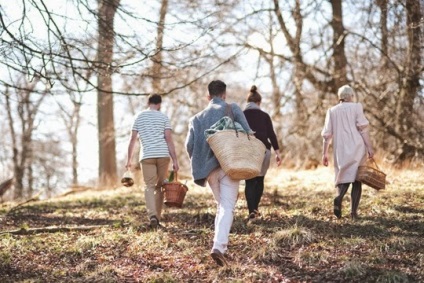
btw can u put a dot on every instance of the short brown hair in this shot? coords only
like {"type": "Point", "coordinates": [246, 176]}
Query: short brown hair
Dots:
{"type": "Point", "coordinates": [254, 95]}
{"type": "Point", "coordinates": [155, 99]}
{"type": "Point", "coordinates": [217, 88]}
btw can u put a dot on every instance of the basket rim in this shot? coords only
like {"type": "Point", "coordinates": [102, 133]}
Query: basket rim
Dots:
{"type": "Point", "coordinates": [373, 169]}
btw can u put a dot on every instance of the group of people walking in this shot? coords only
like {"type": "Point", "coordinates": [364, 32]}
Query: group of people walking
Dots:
{"type": "Point", "coordinates": [345, 124]}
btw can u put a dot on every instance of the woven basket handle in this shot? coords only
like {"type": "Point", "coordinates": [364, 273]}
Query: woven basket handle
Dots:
{"type": "Point", "coordinates": [375, 163]}
{"type": "Point", "coordinates": [175, 176]}
{"type": "Point", "coordinates": [229, 113]}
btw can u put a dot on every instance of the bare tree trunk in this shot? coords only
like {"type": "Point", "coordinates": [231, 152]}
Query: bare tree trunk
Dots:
{"type": "Point", "coordinates": [339, 56]}
{"type": "Point", "coordinates": [22, 157]}
{"type": "Point", "coordinates": [410, 83]}
{"type": "Point", "coordinates": [18, 172]}
{"type": "Point", "coordinates": [299, 66]}
{"type": "Point", "coordinates": [382, 4]}
{"type": "Point", "coordinates": [105, 118]}
{"type": "Point", "coordinates": [276, 95]}
{"type": "Point", "coordinates": [72, 121]}
{"type": "Point", "coordinates": [27, 151]}
{"type": "Point", "coordinates": [157, 59]}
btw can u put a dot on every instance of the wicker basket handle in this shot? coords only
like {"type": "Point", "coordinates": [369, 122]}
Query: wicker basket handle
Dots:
{"type": "Point", "coordinates": [229, 113]}
{"type": "Point", "coordinates": [375, 163]}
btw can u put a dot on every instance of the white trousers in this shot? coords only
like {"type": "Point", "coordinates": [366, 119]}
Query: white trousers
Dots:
{"type": "Point", "coordinates": [225, 192]}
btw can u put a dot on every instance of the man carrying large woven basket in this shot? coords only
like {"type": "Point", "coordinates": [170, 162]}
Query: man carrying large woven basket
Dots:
{"type": "Point", "coordinates": [347, 126]}
{"type": "Point", "coordinates": [206, 169]}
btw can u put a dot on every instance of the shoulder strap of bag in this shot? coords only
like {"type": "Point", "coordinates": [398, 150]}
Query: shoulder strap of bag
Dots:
{"type": "Point", "coordinates": [229, 113]}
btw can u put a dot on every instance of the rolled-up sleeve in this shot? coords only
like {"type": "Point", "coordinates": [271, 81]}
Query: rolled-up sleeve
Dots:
{"type": "Point", "coordinates": [360, 117]}
{"type": "Point", "coordinates": [190, 139]}
{"type": "Point", "coordinates": [327, 131]}
{"type": "Point", "coordinates": [361, 122]}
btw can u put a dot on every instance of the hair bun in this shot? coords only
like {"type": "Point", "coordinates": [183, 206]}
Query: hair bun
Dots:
{"type": "Point", "coordinates": [253, 88]}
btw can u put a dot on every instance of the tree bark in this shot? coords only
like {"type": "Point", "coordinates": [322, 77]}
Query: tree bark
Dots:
{"type": "Point", "coordinates": [105, 117]}
{"type": "Point", "coordinates": [382, 4]}
{"type": "Point", "coordinates": [339, 56]}
{"type": "Point", "coordinates": [22, 148]}
{"type": "Point", "coordinates": [157, 59]}
{"type": "Point", "coordinates": [410, 82]}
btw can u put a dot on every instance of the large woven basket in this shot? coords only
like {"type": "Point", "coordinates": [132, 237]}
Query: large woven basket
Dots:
{"type": "Point", "coordinates": [371, 175]}
{"type": "Point", "coordinates": [239, 154]}
{"type": "Point", "coordinates": [174, 193]}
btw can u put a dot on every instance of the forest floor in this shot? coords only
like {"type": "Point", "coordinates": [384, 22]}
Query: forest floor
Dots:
{"type": "Point", "coordinates": [102, 236]}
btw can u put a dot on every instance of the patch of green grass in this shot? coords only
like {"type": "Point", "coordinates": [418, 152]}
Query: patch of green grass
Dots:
{"type": "Point", "coordinates": [5, 259]}
{"type": "Point", "coordinates": [311, 258]}
{"type": "Point", "coordinates": [353, 269]}
{"type": "Point", "coordinates": [393, 277]}
{"type": "Point", "coordinates": [161, 278]}
{"type": "Point", "coordinates": [293, 236]}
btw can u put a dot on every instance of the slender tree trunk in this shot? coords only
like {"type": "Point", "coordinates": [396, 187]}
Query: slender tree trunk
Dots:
{"type": "Point", "coordinates": [105, 118]}
{"type": "Point", "coordinates": [299, 66]}
{"type": "Point", "coordinates": [276, 95]}
{"type": "Point", "coordinates": [76, 118]}
{"type": "Point", "coordinates": [339, 56]}
{"type": "Point", "coordinates": [23, 153]}
{"type": "Point", "coordinates": [410, 83]}
{"type": "Point", "coordinates": [17, 171]}
{"type": "Point", "coordinates": [382, 4]}
{"type": "Point", "coordinates": [157, 59]}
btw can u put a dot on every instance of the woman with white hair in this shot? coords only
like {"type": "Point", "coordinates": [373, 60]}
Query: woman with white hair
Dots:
{"type": "Point", "coordinates": [346, 125]}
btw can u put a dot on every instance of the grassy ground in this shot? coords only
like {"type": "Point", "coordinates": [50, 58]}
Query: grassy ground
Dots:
{"type": "Point", "coordinates": [297, 239]}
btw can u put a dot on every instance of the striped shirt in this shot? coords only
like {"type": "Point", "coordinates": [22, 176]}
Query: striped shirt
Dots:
{"type": "Point", "coordinates": [151, 126]}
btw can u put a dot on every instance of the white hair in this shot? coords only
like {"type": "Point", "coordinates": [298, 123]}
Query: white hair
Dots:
{"type": "Point", "coordinates": [345, 92]}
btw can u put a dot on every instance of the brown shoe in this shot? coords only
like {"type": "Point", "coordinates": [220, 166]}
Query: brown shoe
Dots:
{"type": "Point", "coordinates": [218, 257]}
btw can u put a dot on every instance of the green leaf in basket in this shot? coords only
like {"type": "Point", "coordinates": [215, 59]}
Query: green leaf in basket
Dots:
{"type": "Point", "coordinates": [171, 176]}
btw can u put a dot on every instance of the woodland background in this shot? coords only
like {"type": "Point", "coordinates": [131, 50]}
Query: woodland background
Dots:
{"type": "Point", "coordinates": [74, 73]}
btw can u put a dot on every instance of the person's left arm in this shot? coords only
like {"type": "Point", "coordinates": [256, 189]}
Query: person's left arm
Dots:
{"type": "Point", "coordinates": [362, 124]}
{"type": "Point", "coordinates": [189, 142]}
{"type": "Point", "coordinates": [273, 139]}
{"type": "Point", "coordinates": [171, 148]}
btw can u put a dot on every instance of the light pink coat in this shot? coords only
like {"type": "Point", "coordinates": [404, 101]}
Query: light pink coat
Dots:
{"type": "Point", "coordinates": [349, 150]}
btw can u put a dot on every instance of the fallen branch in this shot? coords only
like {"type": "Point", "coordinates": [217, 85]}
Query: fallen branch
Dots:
{"type": "Point", "coordinates": [34, 198]}
{"type": "Point", "coordinates": [51, 229]}
{"type": "Point", "coordinates": [75, 190]}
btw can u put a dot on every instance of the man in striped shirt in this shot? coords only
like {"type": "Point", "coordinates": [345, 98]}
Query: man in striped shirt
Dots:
{"type": "Point", "coordinates": [154, 131]}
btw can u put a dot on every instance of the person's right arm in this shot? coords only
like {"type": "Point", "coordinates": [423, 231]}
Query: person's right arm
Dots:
{"type": "Point", "coordinates": [362, 125]}
{"type": "Point", "coordinates": [131, 144]}
{"type": "Point", "coordinates": [327, 134]}
{"type": "Point", "coordinates": [325, 146]}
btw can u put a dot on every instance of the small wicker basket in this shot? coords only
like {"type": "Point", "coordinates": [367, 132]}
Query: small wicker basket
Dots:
{"type": "Point", "coordinates": [371, 175]}
{"type": "Point", "coordinates": [174, 193]}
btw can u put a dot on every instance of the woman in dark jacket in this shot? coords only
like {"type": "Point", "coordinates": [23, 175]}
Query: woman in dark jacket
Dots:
{"type": "Point", "coordinates": [260, 122]}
